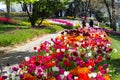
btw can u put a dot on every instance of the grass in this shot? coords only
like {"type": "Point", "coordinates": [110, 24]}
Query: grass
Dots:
{"type": "Point", "coordinates": [10, 35]}
{"type": "Point", "coordinates": [7, 27]}
{"type": "Point", "coordinates": [103, 25]}
{"type": "Point", "coordinates": [115, 56]}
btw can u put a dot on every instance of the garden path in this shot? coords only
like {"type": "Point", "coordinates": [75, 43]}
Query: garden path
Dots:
{"type": "Point", "coordinates": [17, 54]}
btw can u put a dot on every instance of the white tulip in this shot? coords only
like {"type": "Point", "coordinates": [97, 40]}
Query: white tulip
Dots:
{"type": "Point", "coordinates": [89, 54]}
{"type": "Point", "coordinates": [66, 73]}
{"type": "Point", "coordinates": [58, 50]}
{"type": "Point", "coordinates": [55, 68]}
{"type": "Point", "coordinates": [27, 58]}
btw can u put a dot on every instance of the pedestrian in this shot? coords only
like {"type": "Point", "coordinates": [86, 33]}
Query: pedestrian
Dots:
{"type": "Point", "coordinates": [91, 23]}
{"type": "Point", "coordinates": [83, 23]}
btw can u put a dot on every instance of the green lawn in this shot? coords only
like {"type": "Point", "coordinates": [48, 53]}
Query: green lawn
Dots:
{"type": "Point", "coordinates": [10, 34]}
{"type": "Point", "coordinates": [115, 56]}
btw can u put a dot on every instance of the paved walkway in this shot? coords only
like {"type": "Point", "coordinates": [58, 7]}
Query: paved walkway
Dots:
{"type": "Point", "coordinates": [16, 55]}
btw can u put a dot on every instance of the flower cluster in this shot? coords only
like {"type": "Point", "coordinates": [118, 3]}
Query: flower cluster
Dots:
{"type": "Point", "coordinates": [67, 23]}
{"type": "Point", "coordinates": [110, 31]}
{"type": "Point", "coordinates": [80, 54]}
{"type": "Point", "coordinates": [7, 20]}
{"type": "Point", "coordinates": [70, 17]}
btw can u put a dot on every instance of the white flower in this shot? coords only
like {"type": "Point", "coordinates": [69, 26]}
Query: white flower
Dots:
{"type": "Point", "coordinates": [27, 58]}
{"type": "Point", "coordinates": [65, 33]}
{"type": "Point", "coordinates": [75, 77]}
{"type": "Point", "coordinates": [65, 38]}
{"type": "Point", "coordinates": [58, 50]}
{"type": "Point", "coordinates": [108, 44]}
{"type": "Point", "coordinates": [63, 50]}
{"type": "Point", "coordinates": [62, 76]}
{"type": "Point", "coordinates": [89, 54]}
{"type": "Point", "coordinates": [7, 70]}
{"type": "Point", "coordinates": [47, 54]}
{"type": "Point", "coordinates": [66, 73]}
{"type": "Point", "coordinates": [55, 68]}
{"type": "Point", "coordinates": [102, 36]}
{"type": "Point", "coordinates": [89, 67]}
{"type": "Point", "coordinates": [83, 43]}
{"type": "Point", "coordinates": [67, 45]}
{"type": "Point", "coordinates": [92, 75]}
{"type": "Point", "coordinates": [78, 43]}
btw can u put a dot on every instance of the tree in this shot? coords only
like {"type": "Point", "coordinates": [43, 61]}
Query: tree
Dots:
{"type": "Point", "coordinates": [85, 4]}
{"type": "Point", "coordinates": [8, 8]}
{"type": "Point", "coordinates": [8, 3]}
{"type": "Point", "coordinates": [112, 16]}
{"type": "Point", "coordinates": [76, 8]}
{"type": "Point", "coordinates": [42, 9]}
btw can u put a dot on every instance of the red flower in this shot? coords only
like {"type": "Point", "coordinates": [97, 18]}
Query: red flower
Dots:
{"type": "Point", "coordinates": [91, 62]}
{"type": "Point", "coordinates": [40, 56]}
{"type": "Point", "coordinates": [75, 53]}
{"type": "Point", "coordinates": [50, 64]}
{"type": "Point", "coordinates": [67, 63]}
{"type": "Point", "coordinates": [100, 68]}
{"type": "Point", "coordinates": [1, 79]}
{"type": "Point", "coordinates": [83, 76]}
{"type": "Point", "coordinates": [108, 49]}
{"type": "Point", "coordinates": [35, 48]}
{"type": "Point", "coordinates": [100, 58]}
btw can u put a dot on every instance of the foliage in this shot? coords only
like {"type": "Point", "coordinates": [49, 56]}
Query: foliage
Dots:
{"type": "Point", "coordinates": [111, 13]}
{"type": "Point", "coordinates": [100, 17]}
{"type": "Point", "coordinates": [43, 9]}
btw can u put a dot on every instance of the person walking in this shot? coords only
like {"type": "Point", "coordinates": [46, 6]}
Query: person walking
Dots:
{"type": "Point", "coordinates": [83, 23]}
{"type": "Point", "coordinates": [91, 23]}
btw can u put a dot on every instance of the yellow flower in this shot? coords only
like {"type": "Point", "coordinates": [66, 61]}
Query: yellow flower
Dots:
{"type": "Point", "coordinates": [77, 24]}
{"type": "Point", "coordinates": [79, 38]}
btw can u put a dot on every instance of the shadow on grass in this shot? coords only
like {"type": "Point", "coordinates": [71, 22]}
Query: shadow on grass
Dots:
{"type": "Point", "coordinates": [117, 37]}
{"type": "Point", "coordinates": [7, 28]}
{"type": "Point", "coordinates": [14, 57]}
{"type": "Point", "coordinates": [116, 65]}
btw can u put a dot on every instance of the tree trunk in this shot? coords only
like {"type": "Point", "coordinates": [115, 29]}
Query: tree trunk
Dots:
{"type": "Point", "coordinates": [88, 6]}
{"type": "Point", "coordinates": [29, 16]}
{"type": "Point", "coordinates": [8, 8]}
{"type": "Point", "coordinates": [109, 13]}
{"type": "Point", "coordinates": [113, 15]}
{"type": "Point", "coordinates": [24, 7]}
{"type": "Point", "coordinates": [76, 3]}
{"type": "Point", "coordinates": [41, 22]}
{"type": "Point", "coordinates": [30, 8]}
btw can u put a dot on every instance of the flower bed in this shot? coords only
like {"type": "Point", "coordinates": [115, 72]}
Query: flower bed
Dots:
{"type": "Point", "coordinates": [7, 20]}
{"type": "Point", "coordinates": [110, 31]}
{"type": "Point", "coordinates": [67, 23]}
{"type": "Point", "coordinates": [81, 54]}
